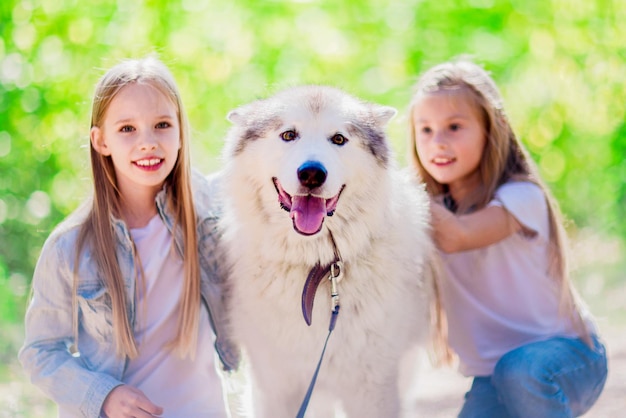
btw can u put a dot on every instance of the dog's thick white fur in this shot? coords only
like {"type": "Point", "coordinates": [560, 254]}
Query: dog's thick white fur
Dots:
{"type": "Point", "coordinates": [304, 163]}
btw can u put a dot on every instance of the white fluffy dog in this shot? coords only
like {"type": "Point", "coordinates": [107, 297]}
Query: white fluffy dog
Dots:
{"type": "Point", "coordinates": [309, 182]}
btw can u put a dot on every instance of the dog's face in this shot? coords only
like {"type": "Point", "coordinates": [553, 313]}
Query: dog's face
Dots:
{"type": "Point", "coordinates": [309, 144]}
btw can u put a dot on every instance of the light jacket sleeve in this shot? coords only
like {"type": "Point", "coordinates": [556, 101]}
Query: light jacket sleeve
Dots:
{"type": "Point", "coordinates": [45, 355]}
{"type": "Point", "coordinates": [214, 271]}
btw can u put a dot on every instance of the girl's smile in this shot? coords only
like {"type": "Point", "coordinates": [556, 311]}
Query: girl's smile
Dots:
{"type": "Point", "coordinates": [150, 164]}
{"type": "Point", "coordinates": [441, 161]}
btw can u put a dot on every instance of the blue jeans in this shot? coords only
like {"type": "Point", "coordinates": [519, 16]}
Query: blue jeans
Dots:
{"type": "Point", "coordinates": [559, 377]}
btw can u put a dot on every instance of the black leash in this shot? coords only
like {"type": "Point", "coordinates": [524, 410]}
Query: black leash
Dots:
{"type": "Point", "coordinates": [309, 392]}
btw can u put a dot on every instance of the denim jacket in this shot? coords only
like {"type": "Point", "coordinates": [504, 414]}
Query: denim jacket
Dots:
{"type": "Point", "coordinates": [79, 383]}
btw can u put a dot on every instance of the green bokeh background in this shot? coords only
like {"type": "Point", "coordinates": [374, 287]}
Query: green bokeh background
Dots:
{"type": "Point", "coordinates": [560, 64]}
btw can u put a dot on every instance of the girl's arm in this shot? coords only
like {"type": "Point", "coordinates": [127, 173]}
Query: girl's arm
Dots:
{"type": "Point", "coordinates": [478, 229]}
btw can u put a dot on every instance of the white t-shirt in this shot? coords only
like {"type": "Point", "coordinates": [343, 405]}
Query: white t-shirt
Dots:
{"type": "Point", "coordinates": [183, 387]}
{"type": "Point", "coordinates": [500, 297]}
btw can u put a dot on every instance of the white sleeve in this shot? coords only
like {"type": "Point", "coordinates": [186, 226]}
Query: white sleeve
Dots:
{"type": "Point", "coordinates": [527, 203]}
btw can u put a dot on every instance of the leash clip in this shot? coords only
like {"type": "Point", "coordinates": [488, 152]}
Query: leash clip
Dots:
{"type": "Point", "coordinates": [336, 272]}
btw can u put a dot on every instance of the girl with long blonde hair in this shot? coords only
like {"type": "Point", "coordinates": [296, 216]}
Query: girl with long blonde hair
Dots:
{"type": "Point", "coordinates": [514, 319]}
{"type": "Point", "coordinates": [127, 293]}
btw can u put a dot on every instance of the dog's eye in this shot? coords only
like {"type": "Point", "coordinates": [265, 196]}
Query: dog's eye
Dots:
{"type": "Point", "coordinates": [288, 136]}
{"type": "Point", "coordinates": [338, 139]}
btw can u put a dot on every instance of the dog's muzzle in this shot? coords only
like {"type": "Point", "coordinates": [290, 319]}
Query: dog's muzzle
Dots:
{"type": "Point", "coordinates": [308, 210]}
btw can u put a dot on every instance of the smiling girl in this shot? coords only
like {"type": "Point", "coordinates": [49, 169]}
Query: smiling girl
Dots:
{"type": "Point", "coordinates": [127, 299]}
{"type": "Point", "coordinates": [513, 317]}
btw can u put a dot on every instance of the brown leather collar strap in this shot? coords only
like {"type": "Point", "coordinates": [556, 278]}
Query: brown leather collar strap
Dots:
{"type": "Point", "coordinates": [313, 280]}
{"type": "Point", "coordinates": [333, 270]}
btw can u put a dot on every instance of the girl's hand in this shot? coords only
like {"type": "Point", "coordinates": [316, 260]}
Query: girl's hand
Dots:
{"type": "Point", "coordinates": [445, 227]}
{"type": "Point", "coordinates": [126, 401]}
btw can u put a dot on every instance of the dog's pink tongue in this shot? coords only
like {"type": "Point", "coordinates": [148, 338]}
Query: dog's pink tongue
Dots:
{"type": "Point", "coordinates": [308, 213]}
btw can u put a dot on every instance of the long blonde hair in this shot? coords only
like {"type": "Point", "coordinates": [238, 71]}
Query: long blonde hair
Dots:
{"type": "Point", "coordinates": [97, 231]}
{"type": "Point", "coordinates": [504, 159]}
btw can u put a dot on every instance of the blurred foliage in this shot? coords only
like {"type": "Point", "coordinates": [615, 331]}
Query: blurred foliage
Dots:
{"type": "Point", "coordinates": [560, 65]}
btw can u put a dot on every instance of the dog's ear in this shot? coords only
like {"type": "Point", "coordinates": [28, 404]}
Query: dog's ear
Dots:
{"type": "Point", "coordinates": [244, 113]}
{"type": "Point", "coordinates": [236, 116]}
{"type": "Point", "coordinates": [383, 114]}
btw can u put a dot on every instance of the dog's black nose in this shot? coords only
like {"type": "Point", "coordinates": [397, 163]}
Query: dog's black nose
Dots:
{"type": "Point", "coordinates": [312, 174]}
